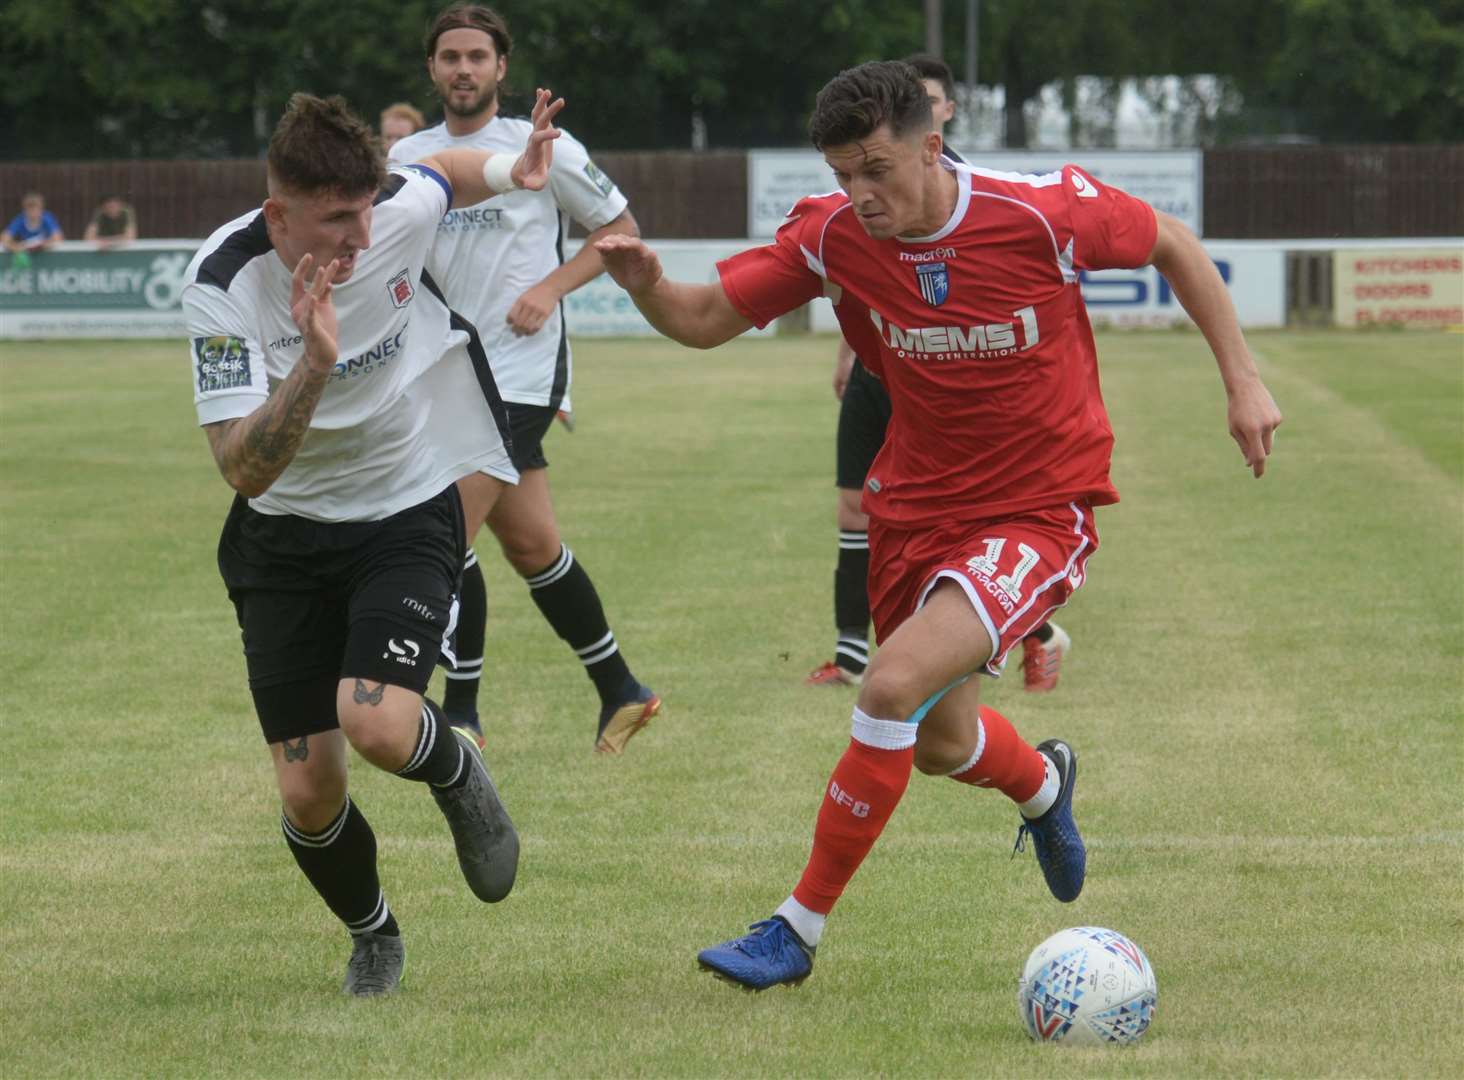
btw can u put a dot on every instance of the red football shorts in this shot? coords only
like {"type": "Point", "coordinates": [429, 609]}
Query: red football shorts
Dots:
{"type": "Point", "coordinates": [1016, 570]}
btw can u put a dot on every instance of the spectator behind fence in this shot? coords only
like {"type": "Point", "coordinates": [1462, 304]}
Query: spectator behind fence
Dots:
{"type": "Point", "coordinates": [398, 121]}
{"type": "Point", "coordinates": [113, 223]}
{"type": "Point", "coordinates": [33, 229]}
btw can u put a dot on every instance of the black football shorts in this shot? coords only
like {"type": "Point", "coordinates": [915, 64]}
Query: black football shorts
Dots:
{"type": "Point", "coordinates": [864, 413]}
{"type": "Point", "coordinates": [318, 602]}
{"type": "Point", "coordinates": [528, 425]}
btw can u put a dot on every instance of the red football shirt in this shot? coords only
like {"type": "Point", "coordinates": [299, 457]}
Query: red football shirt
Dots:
{"type": "Point", "coordinates": [978, 331]}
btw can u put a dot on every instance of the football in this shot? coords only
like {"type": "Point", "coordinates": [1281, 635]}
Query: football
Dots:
{"type": "Point", "coordinates": [1086, 986]}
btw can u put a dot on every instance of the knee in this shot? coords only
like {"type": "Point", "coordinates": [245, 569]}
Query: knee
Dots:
{"type": "Point", "coordinates": [384, 734]}
{"type": "Point", "coordinates": [528, 551]}
{"type": "Point", "coordinates": [529, 559]}
{"type": "Point", "coordinates": [936, 755]}
{"type": "Point", "coordinates": [312, 800]}
{"type": "Point", "coordinates": [891, 692]}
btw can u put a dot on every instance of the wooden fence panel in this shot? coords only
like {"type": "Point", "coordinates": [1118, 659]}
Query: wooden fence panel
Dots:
{"type": "Point", "coordinates": [1249, 192]}
{"type": "Point", "coordinates": [173, 199]}
{"type": "Point", "coordinates": [1277, 193]}
{"type": "Point", "coordinates": [683, 195]}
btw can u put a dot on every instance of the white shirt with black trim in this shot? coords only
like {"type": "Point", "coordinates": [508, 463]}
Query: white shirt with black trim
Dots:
{"type": "Point", "coordinates": [488, 255]}
{"type": "Point", "coordinates": [403, 415]}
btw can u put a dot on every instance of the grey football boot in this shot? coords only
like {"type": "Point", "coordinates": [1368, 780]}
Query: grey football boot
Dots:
{"type": "Point", "coordinates": [375, 967]}
{"type": "Point", "coordinates": [487, 845]}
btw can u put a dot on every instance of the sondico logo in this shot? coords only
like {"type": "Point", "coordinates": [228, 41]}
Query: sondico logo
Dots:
{"type": "Point", "coordinates": [841, 797]}
{"type": "Point", "coordinates": [405, 653]}
{"type": "Point", "coordinates": [985, 341]}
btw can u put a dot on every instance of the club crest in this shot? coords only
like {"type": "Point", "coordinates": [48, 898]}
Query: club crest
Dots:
{"type": "Point", "coordinates": [400, 288]}
{"type": "Point", "coordinates": [935, 282]}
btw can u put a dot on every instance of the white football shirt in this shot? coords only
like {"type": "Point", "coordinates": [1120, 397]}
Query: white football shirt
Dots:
{"type": "Point", "coordinates": [411, 406]}
{"type": "Point", "coordinates": [488, 255]}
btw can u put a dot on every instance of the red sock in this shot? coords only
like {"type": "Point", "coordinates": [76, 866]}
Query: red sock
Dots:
{"type": "Point", "coordinates": [862, 794]}
{"type": "Point", "coordinates": [1004, 760]}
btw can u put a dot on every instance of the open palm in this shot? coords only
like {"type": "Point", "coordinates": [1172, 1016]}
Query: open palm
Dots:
{"type": "Point", "coordinates": [312, 306]}
{"type": "Point", "coordinates": [531, 170]}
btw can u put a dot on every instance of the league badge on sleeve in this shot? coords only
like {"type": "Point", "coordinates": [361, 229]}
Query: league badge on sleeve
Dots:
{"type": "Point", "coordinates": [400, 289]}
{"type": "Point", "coordinates": [599, 179]}
{"type": "Point", "coordinates": [935, 282]}
{"type": "Point", "coordinates": [222, 363]}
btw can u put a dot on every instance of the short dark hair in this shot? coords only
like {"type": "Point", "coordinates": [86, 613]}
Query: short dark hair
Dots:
{"type": "Point", "coordinates": [855, 102]}
{"type": "Point", "coordinates": [319, 145]}
{"type": "Point", "coordinates": [471, 17]}
{"type": "Point", "coordinates": [933, 67]}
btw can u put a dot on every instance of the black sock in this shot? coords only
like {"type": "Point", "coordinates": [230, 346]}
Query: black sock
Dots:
{"type": "Point", "coordinates": [460, 692]}
{"type": "Point", "coordinates": [567, 597]}
{"type": "Point", "coordinates": [439, 758]}
{"type": "Point", "coordinates": [340, 861]}
{"type": "Point", "coordinates": [851, 601]}
{"type": "Point", "coordinates": [1043, 633]}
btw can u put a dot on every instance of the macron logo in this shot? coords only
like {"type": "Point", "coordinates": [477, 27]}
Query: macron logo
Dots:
{"type": "Point", "coordinates": [1085, 190]}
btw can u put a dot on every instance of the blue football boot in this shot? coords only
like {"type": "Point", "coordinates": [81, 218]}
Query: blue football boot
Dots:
{"type": "Point", "coordinates": [772, 953]}
{"type": "Point", "coordinates": [467, 719]}
{"type": "Point", "coordinates": [1059, 848]}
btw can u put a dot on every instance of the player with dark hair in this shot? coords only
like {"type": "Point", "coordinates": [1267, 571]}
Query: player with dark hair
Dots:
{"type": "Point", "coordinates": [960, 287]}
{"type": "Point", "coordinates": [940, 87]}
{"type": "Point", "coordinates": [502, 264]}
{"type": "Point", "coordinates": [342, 399]}
{"type": "Point", "coordinates": [864, 413]}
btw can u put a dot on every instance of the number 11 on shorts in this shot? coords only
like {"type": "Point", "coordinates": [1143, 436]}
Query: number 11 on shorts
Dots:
{"type": "Point", "coordinates": [985, 565]}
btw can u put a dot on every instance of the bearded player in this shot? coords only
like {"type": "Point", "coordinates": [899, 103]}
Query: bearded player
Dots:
{"type": "Point", "coordinates": [959, 287]}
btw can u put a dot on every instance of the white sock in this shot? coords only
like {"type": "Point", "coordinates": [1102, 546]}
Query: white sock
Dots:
{"type": "Point", "coordinates": [1046, 795]}
{"type": "Point", "coordinates": [808, 924]}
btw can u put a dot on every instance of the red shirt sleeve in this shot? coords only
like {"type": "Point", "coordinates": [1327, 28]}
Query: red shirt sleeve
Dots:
{"type": "Point", "coordinates": [769, 281]}
{"type": "Point", "coordinates": [1110, 227]}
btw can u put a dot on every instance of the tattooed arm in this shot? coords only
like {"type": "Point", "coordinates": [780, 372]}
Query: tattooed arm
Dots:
{"type": "Point", "coordinates": [252, 452]}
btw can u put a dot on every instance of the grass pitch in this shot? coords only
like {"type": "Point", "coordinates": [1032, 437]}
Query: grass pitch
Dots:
{"type": "Point", "coordinates": [1265, 692]}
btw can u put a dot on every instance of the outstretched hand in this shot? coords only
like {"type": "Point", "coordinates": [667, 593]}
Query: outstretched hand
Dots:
{"type": "Point", "coordinates": [1254, 418]}
{"type": "Point", "coordinates": [531, 169]}
{"type": "Point", "coordinates": [634, 266]}
{"type": "Point", "coordinates": [313, 309]}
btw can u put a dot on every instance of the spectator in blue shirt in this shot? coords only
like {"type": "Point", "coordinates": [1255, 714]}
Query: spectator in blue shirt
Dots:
{"type": "Point", "coordinates": [33, 229]}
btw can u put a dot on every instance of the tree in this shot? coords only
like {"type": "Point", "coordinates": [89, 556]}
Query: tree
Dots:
{"type": "Point", "coordinates": [170, 78]}
{"type": "Point", "coordinates": [1361, 70]}
{"type": "Point", "coordinates": [1026, 46]}
{"type": "Point", "coordinates": [177, 78]}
